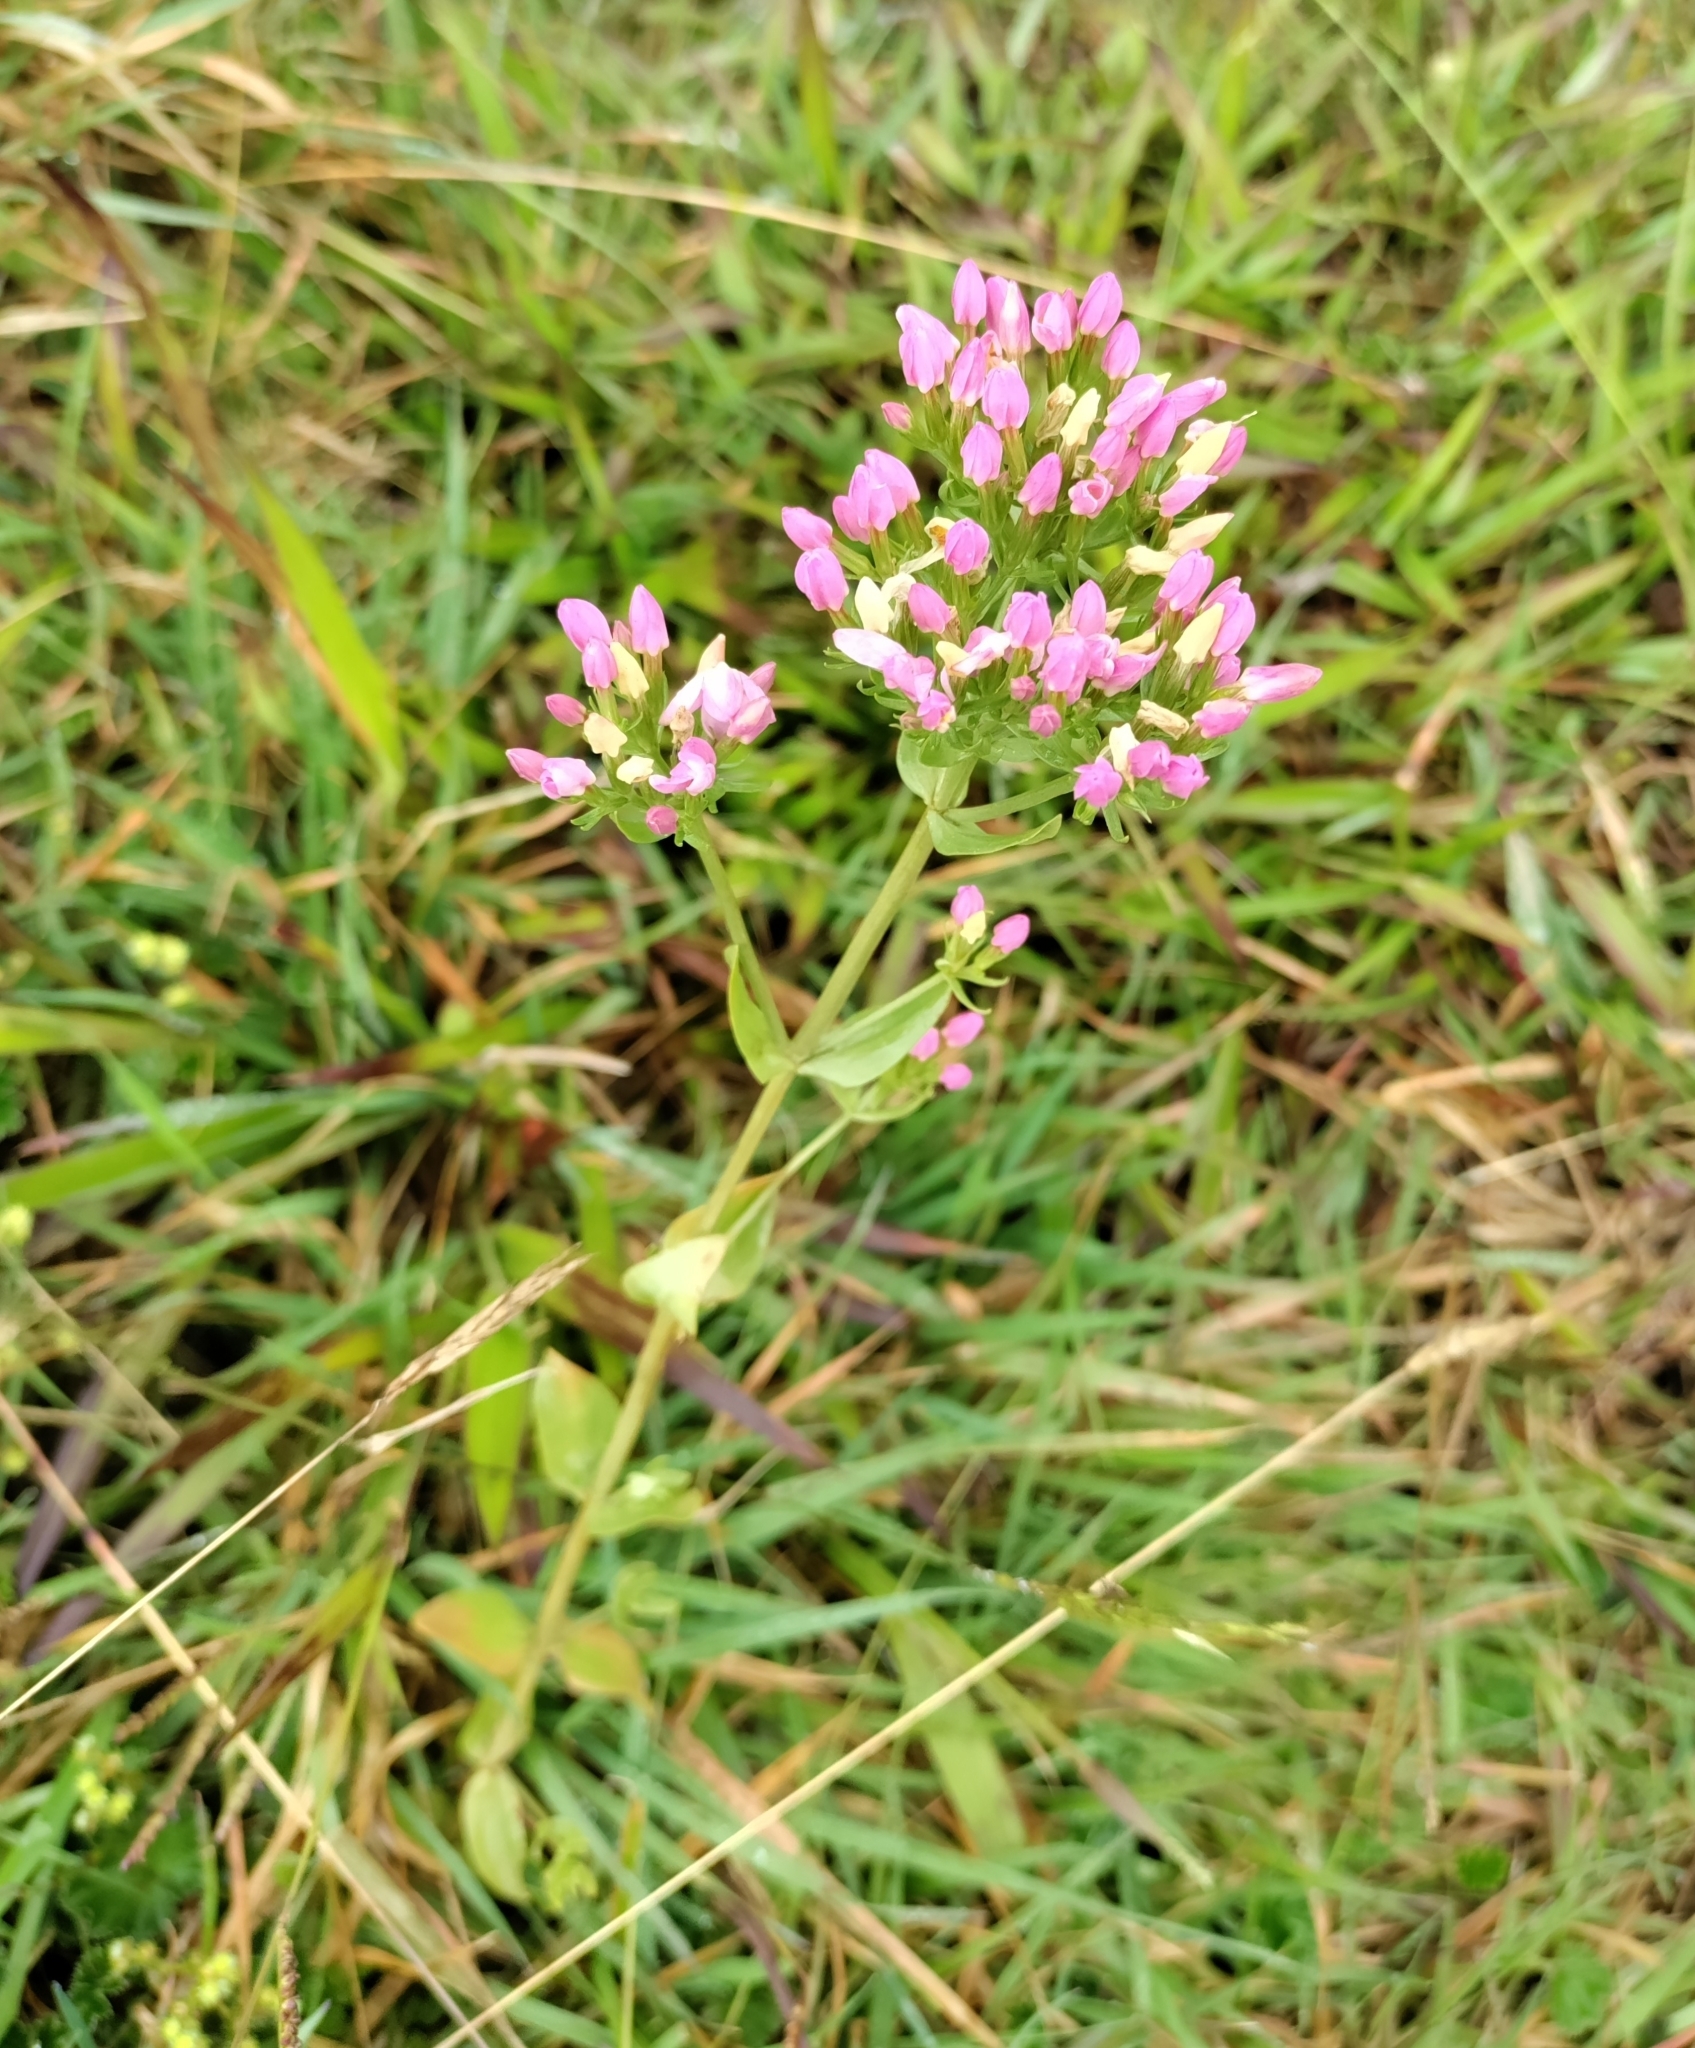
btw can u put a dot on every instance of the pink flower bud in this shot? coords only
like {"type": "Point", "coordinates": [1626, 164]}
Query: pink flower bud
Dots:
{"type": "Point", "coordinates": [1235, 443]}
{"type": "Point", "coordinates": [568, 710]}
{"type": "Point", "coordinates": [661, 819]}
{"type": "Point", "coordinates": [926, 347]}
{"type": "Point", "coordinates": [852, 513]}
{"type": "Point", "coordinates": [1022, 688]}
{"type": "Point", "coordinates": [1065, 668]}
{"type": "Point", "coordinates": [1147, 759]}
{"type": "Point", "coordinates": [648, 634]}
{"type": "Point", "coordinates": [1185, 584]}
{"type": "Point", "coordinates": [928, 1046]}
{"type": "Point", "coordinates": [1127, 671]}
{"type": "Point", "coordinates": [526, 762]}
{"type": "Point", "coordinates": [1195, 397]}
{"type": "Point", "coordinates": [890, 474]}
{"type": "Point", "coordinates": [970, 300]}
{"type": "Point", "coordinates": [980, 454]}
{"type": "Point", "coordinates": [1123, 351]}
{"type": "Point", "coordinates": [1088, 608]}
{"type": "Point", "coordinates": [821, 580]}
{"type": "Point", "coordinates": [954, 1077]}
{"type": "Point", "coordinates": [1008, 317]}
{"type": "Point", "coordinates": [1055, 322]}
{"type": "Point", "coordinates": [1154, 436]}
{"type": "Point", "coordinates": [1184, 776]}
{"type": "Point", "coordinates": [1027, 624]}
{"type": "Point", "coordinates": [929, 611]}
{"type": "Point", "coordinates": [1098, 782]}
{"type": "Point", "coordinates": [1090, 496]}
{"type": "Point", "coordinates": [965, 386]}
{"type": "Point", "coordinates": [1140, 397]}
{"type": "Point", "coordinates": [898, 416]}
{"type": "Point", "coordinates": [1222, 715]}
{"type": "Point", "coordinates": [1226, 671]}
{"type": "Point", "coordinates": [1102, 304]}
{"type": "Point", "coordinates": [963, 1030]}
{"type": "Point", "coordinates": [1010, 933]}
{"type": "Point", "coordinates": [966, 548]}
{"type": "Point", "coordinates": [1006, 397]}
{"type": "Point", "coordinates": [967, 903]}
{"type": "Point", "coordinates": [600, 670]}
{"type": "Point", "coordinates": [805, 528]}
{"type": "Point", "coordinates": [1282, 679]}
{"type": "Point", "coordinates": [565, 776]}
{"type": "Point", "coordinates": [1183, 494]}
{"type": "Point", "coordinates": [935, 711]}
{"type": "Point", "coordinates": [1239, 618]}
{"type": "Point", "coordinates": [1045, 720]}
{"type": "Point", "coordinates": [584, 623]}
{"type": "Point", "coordinates": [1041, 487]}
{"type": "Point", "coordinates": [1112, 445]}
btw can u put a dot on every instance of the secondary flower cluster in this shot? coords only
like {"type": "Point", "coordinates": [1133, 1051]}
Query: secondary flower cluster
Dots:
{"type": "Point", "coordinates": [678, 748]}
{"type": "Point", "coordinates": [965, 1027]}
{"type": "Point", "coordinates": [1058, 572]}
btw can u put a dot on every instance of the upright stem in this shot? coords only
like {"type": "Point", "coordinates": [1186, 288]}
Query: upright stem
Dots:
{"type": "Point", "coordinates": [731, 911]}
{"type": "Point", "coordinates": [650, 1364]}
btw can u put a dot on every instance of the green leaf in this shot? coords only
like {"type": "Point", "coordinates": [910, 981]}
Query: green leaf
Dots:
{"type": "Point", "coordinates": [576, 1414]}
{"type": "Point", "coordinates": [363, 689]}
{"type": "Point", "coordinates": [1579, 1991]}
{"type": "Point", "coordinates": [755, 1039]}
{"type": "Point", "coordinates": [869, 1044]}
{"type": "Point", "coordinates": [940, 782]}
{"type": "Point", "coordinates": [45, 1030]}
{"type": "Point", "coordinates": [951, 834]}
{"type": "Point", "coordinates": [677, 1278]}
{"type": "Point", "coordinates": [494, 1428]}
{"type": "Point", "coordinates": [479, 1624]}
{"type": "Point", "coordinates": [491, 1828]}
{"type": "Point", "coordinates": [594, 1658]}
{"type": "Point", "coordinates": [658, 1498]}
{"type": "Point", "coordinates": [959, 1740]}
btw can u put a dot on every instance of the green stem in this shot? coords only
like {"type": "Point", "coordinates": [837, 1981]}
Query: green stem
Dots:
{"type": "Point", "coordinates": [650, 1364]}
{"type": "Point", "coordinates": [731, 912]}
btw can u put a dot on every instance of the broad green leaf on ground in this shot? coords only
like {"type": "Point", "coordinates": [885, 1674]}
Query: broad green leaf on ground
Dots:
{"type": "Point", "coordinates": [575, 1415]}
{"type": "Point", "coordinates": [494, 1428]}
{"type": "Point", "coordinates": [491, 1827]}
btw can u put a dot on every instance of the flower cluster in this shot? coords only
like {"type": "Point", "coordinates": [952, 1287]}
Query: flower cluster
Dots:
{"type": "Point", "coordinates": [652, 743]}
{"type": "Point", "coordinates": [967, 951]}
{"type": "Point", "coordinates": [1059, 572]}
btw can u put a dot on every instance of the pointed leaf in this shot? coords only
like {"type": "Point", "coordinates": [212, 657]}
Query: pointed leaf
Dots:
{"type": "Point", "coordinates": [755, 1039]}
{"type": "Point", "coordinates": [676, 1278]}
{"type": "Point", "coordinates": [958, 837]}
{"type": "Point", "coordinates": [576, 1413]}
{"type": "Point", "coordinates": [494, 1429]}
{"type": "Point", "coordinates": [491, 1827]}
{"type": "Point", "coordinates": [479, 1624]}
{"type": "Point", "coordinates": [869, 1044]}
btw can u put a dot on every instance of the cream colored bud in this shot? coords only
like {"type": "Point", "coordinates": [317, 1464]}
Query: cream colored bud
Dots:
{"type": "Point", "coordinates": [1199, 533]}
{"type": "Point", "coordinates": [876, 614]}
{"type": "Point", "coordinates": [948, 652]}
{"type": "Point", "coordinates": [1080, 420]}
{"type": "Point", "coordinates": [1194, 643]}
{"type": "Point", "coordinates": [632, 678]}
{"type": "Point", "coordinates": [1119, 741]}
{"type": "Point", "coordinates": [974, 927]}
{"type": "Point", "coordinates": [1144, 643]}
{"type": "Point", "coordinates": [1142, 561]}
{"type": "Point", "coordinates": [1060, 401]}
{"type": "Point", "coordinates": [637, 769]}
{"type": "Point", "coordinates": [711, 655]}
{"type": "Point", "coordinates": [1161, 717]}
{"type": "Point", "coordinates": [1202, 452]}
{"type": "Point", "coordinates": [605, 737]}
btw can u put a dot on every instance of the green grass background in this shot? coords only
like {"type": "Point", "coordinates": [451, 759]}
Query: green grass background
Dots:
{"type": "Point", "coordinates": [341, 342]}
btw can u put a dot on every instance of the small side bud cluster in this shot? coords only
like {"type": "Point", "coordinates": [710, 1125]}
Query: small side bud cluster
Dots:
{"type": "Point", "coordinates": [974, 954]}
{"type": "Point", "coordinates": [677, 748]}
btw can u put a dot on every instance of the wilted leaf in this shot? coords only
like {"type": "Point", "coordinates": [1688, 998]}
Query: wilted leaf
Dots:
{"type": "Point", "coordinates": [491, 1828]}
{"type": "Point", "coordinates": [480, 1624]}
{"type": "Point", "coordinates": [576, 1413]}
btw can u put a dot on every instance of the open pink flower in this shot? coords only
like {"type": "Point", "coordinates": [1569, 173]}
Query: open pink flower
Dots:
{"type": "Point", "coordinates": [1102, 304]}
{"type": "Point", "coordinates": [1040, 492]}
{"type": "Point", "coordinates": [929, 611]}
{"type": "Point", "coordinates": [1098, 782]}
{"type": "Point", "coordinates": [1010, 933]}
{"type": "Point", "coordinates": [661, 819]}
{"type": "Point", "coordinates": [1090, 496]}
{"type": "Point", "coordinates": [1147, 759]}
{"type": "Point", "coordinates": [980, 454]}
{"type": "Point", "coordinates": [1123, 351]}
{"type": "Point", "coordinates": [963, 1030]}
{"type": "Point", "coordinates": [584, 623]}
{"type": "Point", "coordinates": [935, 710]}
{"type": "Point", "coordinates": [1027, 623]}
{"type": "Point", "coordinates": [695, 773]}
{"type": "Point", "coordinates": [970, 300]}
{"type": "Point", "coordinates": [568, 710]}
{"type": "Point", "coordinates": [967, 903]}
{"type": "Point", "coordinates": [806, 529]}
{"type": "Point", "coordinates": [1006, 397]}
{"type": "Point", "coordinates": [648, 634]}
{"type": "Point", "coordinates": [730, 706]}
{"type": "Point", "coordinates": [821, 580]}
{"type": "Point", "coordinates": [1280, 680]}
{"type": "Point", "coordinates": [1008, 317]}
{"type": "Point", "coordinates": [966, 548]}
{"type": "Point", "coordinates": [926, 347]}
{"type": "Point", "coordinates": [1055, 321]}
{"type": "Point", "coordinates": [557, 775]}
{"type": "Point", "coordinates": [1184, 776]}
{"type": "Point", "coordinates": [870, 650]}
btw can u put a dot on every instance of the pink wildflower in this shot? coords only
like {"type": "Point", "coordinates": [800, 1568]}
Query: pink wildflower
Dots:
{"type": "Point", "coordinates": [926, 347]}
{"type": "Point", "coordinates": [1102, 304]}
{"type": "Point", "coordinates": [983, 647]}
{"type": "Point", "coordinates": [1098, 782]}
{"type": "Point", "coordinates": [1140, 397]}
{"type": "Point", "coordinates": [966, 548]}
{"type": "Point", "coordinates": [821, 580]}
{"type": "Point", "coordinates": [1235, 444]}
{"type": "Point", "coordinates": [661, 819]}
{"type": "Point", "coordinates": [1196, 396]}
{"type": "Point", "coordinates": [1027, 624]}
{"type": "Point", "coordinates": [1022, 688]}
{"type": "Point", "coordinates": [1088, 608]}
{"type": "Point", "coordinates": [568, 710]}
{"type": "Point", "coordinates": [1006, 397]}
{"type": "Point", "coordinates": [1122, 352]}
{"type": "Point", "coordinates": [1045, 720]}
{"type": "Point", "coordinates": [963, 1030]}
{"type": "Point", "coordinates": [935, 711]}
{"type": "Point", "coordinates": [1127, 671]}
{"type": "Point", "coordinates": [1147, 759]}
{"type": "Point", "coordinates": [928, 1046]}
{"type": "Point", "coordinates": [695, 773]}
{"type": "Point", "coordinates": [890, 474]}
{"type": "Point", "coordinates": [898, 416]}
{"type": "Point", "coordinates": [965, 386]}
{"type": "Point", "coordinates": [980, 454]}
{"type": "Point", "coordinates": [1184, 776]}
{"type": "Point", "coordinates": [557, 775]}
{"type": "Point", "coordinates": [912, 675]}
{"type": "Point", "coordinates": [584, 623]}
{"type": "Point", "coordinates": [1041, 487]}
{"type": "Point", "coordinates": [805, 528]}
{"type": "Point", "coordinates": [1065, 668]}
{"type": "Point", "coordinates": [1281, 679]}
{"type": "Point", "coordinates": [1112, 445]}
{"type": "Point", "coordinates": [1222, 715]}
{"type": "Point", "coordinates": [970, 300]}
{"type": "Point", "coordinates": [730, 706]}
{"type": "Point", "coordinates": [1010, 933]}
{"type": "Point", "coordinates": [967, 903]}
{"type": "Point", "coordinates": [929, 611]}
{"type": "Point", "coordinates": [1154, 435]}
{"type": "Point", "coordinates": [1183, 494]}
{"type": "Point", "coordinates": [648, 634]}
{"type": "Point", "coordinates": [1008, 317]}
{"type": "Point", "coordinates": [1185, 584]}
{"type": "Point", "coordinates": [853, 509]}
{"type": "Point", "coordinates": [1055, 322]}
{"type": "Point", "coordinates": [1226, 671]}
{"type": "Point", "coordinates": [600, 668]}
{"type": "Point", "coordinates": [1239, 617]}
{"type": "Point", "coordinates": [1090, 496]}
{"type": "Point", "coordinates": [954, 1077]}
{"type": "Point", "coordinates": [870, 650]}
